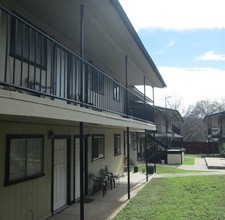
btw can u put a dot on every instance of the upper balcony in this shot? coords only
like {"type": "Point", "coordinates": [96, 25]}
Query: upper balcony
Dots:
{"type": "Point", "coordinates": [34, 63]}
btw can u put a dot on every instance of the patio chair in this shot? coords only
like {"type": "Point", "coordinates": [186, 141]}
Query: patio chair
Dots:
{"type": "Point", "coordinates": [106, 178]}
{"type": "Point", "coordinates": [113, 178]}
{"type": "Point", "coordinates": [98, 184]}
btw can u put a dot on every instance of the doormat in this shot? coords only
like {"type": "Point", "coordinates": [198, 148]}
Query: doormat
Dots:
{"type": "Point", "coordinates": [88, 200]}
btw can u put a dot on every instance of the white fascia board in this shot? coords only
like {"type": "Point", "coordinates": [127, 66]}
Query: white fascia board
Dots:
{"type": "Point", "coordinates": [23, 105]}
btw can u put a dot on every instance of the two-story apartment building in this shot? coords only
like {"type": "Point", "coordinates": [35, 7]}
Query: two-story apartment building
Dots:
{"type": "Point", "coordinates": [66, 69]}
{"type": "Point", "coordinates": [167, 135]}
{"type": "Point", "coordinates": [168, 123]}
{"type": "Point", "coordinates": [216, 129]}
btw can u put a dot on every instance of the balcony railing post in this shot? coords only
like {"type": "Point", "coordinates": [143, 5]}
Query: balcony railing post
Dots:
{"type": "Point", "coordinates": [145, 113]}
{"type": "Point", "coordinates": [7, 45]}
{"type": "Point", "coordinates": [81, 53]}
{"type": "Point", "coordinates": [126, 78]}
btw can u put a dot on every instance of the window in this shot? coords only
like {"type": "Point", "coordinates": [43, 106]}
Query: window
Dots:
{"type": "Point", "coordinates": [116, 91]}
{"type": "Point", "coordinates": [117, 144]}
{"type": "Point", "coordinates": [97, 81]}
{"type": "Point", "coordinates": [28, 44]}
{"type": "Point", "coordinates": [24, 157]}
{"type": "Point", "coordinates": [98, 147]}
{"type": "Point", "coordinates": [96, 78]}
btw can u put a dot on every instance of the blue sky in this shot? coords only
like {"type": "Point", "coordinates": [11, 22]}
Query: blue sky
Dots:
{"type": "Point", "coordinates": [186, 40]}
{"type": "Point", "coordinates": [184, 48]}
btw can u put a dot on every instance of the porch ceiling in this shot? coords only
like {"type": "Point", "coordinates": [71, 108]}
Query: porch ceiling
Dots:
{"type": "Point", "coordinates": [108, 36]}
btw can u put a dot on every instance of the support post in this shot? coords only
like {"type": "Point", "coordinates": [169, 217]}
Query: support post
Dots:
{"type": "Point", "coordinates": [81, 123]}
{"type": "Point", "coordinates": [154, 144]}
{"type": "Point", "coordinates": [128, 164]}
{"type": "Point", "coordinates": [146, 138]}
{"type": "Point", "coordinates": [146, 154]}
{"type": "Point", "coordinates": [81, 171]}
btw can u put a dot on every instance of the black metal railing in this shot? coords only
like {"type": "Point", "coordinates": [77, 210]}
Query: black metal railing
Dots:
{"type": "Point", "coordinates": [175, 129]}
{"type": "Point", "coordinates": [162, 128]}
{"type": "Point", "coordinates": [37, 64]}
{"type": "Point", "coordinates": [140, 109]}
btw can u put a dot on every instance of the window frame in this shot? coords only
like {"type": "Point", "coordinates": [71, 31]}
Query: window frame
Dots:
{"type": "Point", "coordinates": [26, 177]}
{"type": "Point", "coordinates": [116, 151]}
{"type": "Point", "coordinates": [23, 53]}
{"type": "Point", "coordinates": [98, 137]}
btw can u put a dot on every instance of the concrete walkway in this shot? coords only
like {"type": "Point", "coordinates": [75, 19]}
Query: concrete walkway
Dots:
{"type": "Point", "coordinates": [109, 206]}
{"type": "Point", "coordinates": [208, 166]}
{"type": "Point", "coordinates": [116, 199]}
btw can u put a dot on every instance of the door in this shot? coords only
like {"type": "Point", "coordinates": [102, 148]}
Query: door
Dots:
{"type": "Point", "coordinates": [77, 167]}
{"type": "Point", "coordinates": [60, 173]}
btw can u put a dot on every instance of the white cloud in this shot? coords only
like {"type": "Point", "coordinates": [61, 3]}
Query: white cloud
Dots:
{"type": "Point", "coordinates": [191, 84]}
{"type": "Point", "coordinates": [175, 14]}
{"type": "Point", "coordinates": [171, 43]}
{"type": "Point", "coordinates": [211, 56]}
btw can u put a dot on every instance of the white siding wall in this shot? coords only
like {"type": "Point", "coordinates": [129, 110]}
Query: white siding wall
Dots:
{"type": "Point", "coordinates": [26, 199]}
{"type": "Point", "coordinates": [33, 197]}
{"type": "Point", "coordinates": [115, 163]}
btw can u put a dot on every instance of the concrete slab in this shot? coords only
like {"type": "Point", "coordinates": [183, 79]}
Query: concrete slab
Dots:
{"type": "Point", "coordinates": [215, 162]}
{"type": "Point", "coordinates": [107, 207]}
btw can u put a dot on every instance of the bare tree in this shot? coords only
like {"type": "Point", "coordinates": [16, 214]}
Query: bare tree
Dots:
{"type": "Point", "coordinates": [193, 128]}
{"type": "Point", "coordinates": [175, 102]}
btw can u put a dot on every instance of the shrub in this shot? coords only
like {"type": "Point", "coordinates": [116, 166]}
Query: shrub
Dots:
{"type": "Point", "coordinates": [222, 152]}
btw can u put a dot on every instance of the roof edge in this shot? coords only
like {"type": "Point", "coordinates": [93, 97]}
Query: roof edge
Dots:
{"type": "Point", "coordinates": [130, 28]}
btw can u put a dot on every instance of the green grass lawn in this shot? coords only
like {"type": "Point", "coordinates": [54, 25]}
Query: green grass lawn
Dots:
{"type": "Point", "coordinates": [169, 169]}
{"type": "Point", "coordinates": [189, 160]}
{"type": "Point", "coordinates": [179, 198]}
{"type": "Point", "coordinates": [164, 169]}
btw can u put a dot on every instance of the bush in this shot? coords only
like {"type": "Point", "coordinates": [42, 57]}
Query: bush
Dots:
{"type": "Point", "coordinates": [132, 163]}
{"type": "Point", "coordinates": [222, 152]}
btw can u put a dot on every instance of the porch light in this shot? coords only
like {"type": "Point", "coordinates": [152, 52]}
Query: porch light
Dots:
{"type": "Point", "coordinates": [51, 135]}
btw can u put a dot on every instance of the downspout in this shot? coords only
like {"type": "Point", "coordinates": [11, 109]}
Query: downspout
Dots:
{"type": "Point", "coordinates": [81, 123]}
